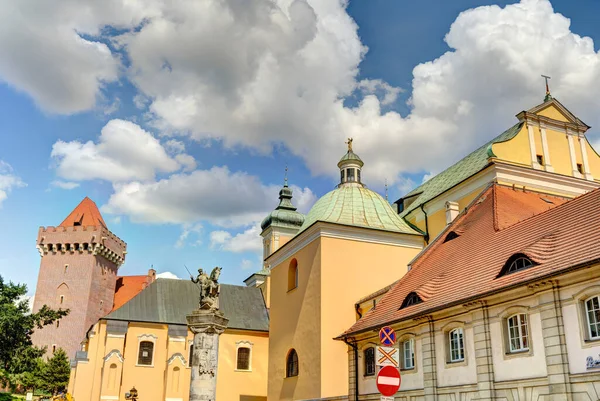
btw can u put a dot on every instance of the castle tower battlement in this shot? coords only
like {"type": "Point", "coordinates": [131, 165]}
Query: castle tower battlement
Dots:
{"type": "Point", "coordinates": [80, 260]}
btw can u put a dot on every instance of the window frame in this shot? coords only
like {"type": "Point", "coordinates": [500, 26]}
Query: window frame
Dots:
{"type": "Point", "coordinates": [151, 338]}
{"type": "Point", "coordinates": [521, 318]}
{"type": "Point", "coordinates": [289, 366]}
{"type": "Point", "coordinates": [367, 372]}
{"type": "Point", "coordinates": [411, 299]}
{"type": "Point", "coordinates": [510, 262]}
{"type": "Point", "coordinates": [248, 367]}
{"type": "Point", "coordinates": [411, 342]}
{"type": "Point", "coordinates": [587, 318]}
{"type": "Point", "coordinates": [450, 341]}
{"type": "Point", "coordinates": [293, 266]}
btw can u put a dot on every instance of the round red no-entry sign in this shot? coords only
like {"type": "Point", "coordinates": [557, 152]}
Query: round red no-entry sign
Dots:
{"type": "Point", "coordinates": [388, 381]}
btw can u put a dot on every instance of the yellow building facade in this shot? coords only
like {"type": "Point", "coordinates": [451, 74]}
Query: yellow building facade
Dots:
{"type": "Point", "coordinates": [328, 271]}
{"type": "Point", "coordinates": [146, 344]}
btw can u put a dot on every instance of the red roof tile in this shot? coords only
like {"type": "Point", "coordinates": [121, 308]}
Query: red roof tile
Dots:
{"type": "Point", "coordinates": [128, 287]}
{"type": "Point", "coordinates": [85, 214]}
{"type": "Point", "coordinates": [501, 222]}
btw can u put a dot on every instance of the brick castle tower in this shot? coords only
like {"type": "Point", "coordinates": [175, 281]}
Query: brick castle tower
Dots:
{"type": "Point", "coordinates": [78, 271]}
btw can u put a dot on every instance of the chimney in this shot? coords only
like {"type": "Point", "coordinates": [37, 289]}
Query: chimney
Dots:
{"type": "Point", "coordinates": [451, 211]}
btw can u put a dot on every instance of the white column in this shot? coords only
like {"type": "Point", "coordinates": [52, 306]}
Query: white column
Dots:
{"type": "Point", "coordinates": [534, 161]}
{"type": "Point", "coordinates": [572, 155]}
{"type": "Point", "coordinates": [547, 163]}
{"type": "Point", "coordinates": [584, 157]}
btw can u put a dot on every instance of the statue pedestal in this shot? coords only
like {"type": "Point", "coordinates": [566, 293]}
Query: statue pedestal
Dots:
{"type": "Point", "coordinates": [207, 326]}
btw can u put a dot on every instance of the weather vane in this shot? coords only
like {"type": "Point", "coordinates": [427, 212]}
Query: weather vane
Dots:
{"type": "Point", "coordinates": [349, 143]}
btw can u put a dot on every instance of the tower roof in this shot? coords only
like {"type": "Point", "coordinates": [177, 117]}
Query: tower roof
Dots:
{"type": "Point", "coordinates": [285, 214]}
{"type": "Point", "coordinates": [85, 214]}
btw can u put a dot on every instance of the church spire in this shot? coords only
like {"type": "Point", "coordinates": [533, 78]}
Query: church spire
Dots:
{"type": "Point", "coordinates": [285, 213]}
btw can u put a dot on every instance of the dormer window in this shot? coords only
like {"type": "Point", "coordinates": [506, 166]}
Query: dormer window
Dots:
{"type": "Point", "coordinates": [516, 263]}
{"type": "Point", "coordinates": [451, 235]}
{"type": "Point", "coordinates": [411, 299]}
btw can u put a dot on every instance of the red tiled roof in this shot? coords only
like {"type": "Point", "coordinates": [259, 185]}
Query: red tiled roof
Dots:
{"type": "Point", "coordinates": [85, 214]}
{"type": "Point", "coordinates": [501, 222]}
{"type": "Point", "coordinates": [128, 287]}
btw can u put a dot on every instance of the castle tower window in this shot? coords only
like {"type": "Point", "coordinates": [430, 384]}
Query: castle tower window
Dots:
{"type": "Point", "coordinates": [145, 353]}
{"type": "Point", "coordinates": [66, 268]}
{"type": "Point", "coordinates": [369, 355]}
{"type": "Point", "coordinates": [291, 366]}
{"type": "Point", "coordinates": [67, 247]}
{"type": "Point", "coordinates": [59, 247]}
{"type": "Point", "coordinates": [50, 247]}
{"type": "Point", "coordinates": [53, 348]}
{"type": "Point", "coordinates": [85, 246]}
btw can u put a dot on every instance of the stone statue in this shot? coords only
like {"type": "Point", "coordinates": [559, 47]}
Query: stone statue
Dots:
{"type": "Point", "coordinates": [209, 288]}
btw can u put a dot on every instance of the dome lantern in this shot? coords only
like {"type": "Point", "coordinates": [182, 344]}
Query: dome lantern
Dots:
{"type": "Point", "coordinates": [350, 166]}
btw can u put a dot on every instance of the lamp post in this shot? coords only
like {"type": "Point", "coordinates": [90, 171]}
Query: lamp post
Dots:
{"type": "Point", "coordinates": [132, 394]}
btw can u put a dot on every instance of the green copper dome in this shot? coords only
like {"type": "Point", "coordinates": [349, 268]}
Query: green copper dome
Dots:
{"type": "Point", "coordinates": [285, 214]}
{"type": "Point", "coordinates": [350, 156]}
{"type": "Point", "coordinates": [354, 205]}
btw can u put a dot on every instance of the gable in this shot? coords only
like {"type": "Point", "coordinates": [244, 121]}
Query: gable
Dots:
{"type": "Point", "coordinates": [554, 113]}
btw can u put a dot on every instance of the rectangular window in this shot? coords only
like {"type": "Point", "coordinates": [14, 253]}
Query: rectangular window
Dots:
{"type": "Point", "coordinates": [540, 160]}
{"type": "Point", "coordinates": [243, 358]}
{"type": "Point", "coordinates": [408, 351]}
{"type": "Point", "coordinates": [580, 168]}
{"type": "Point", "coordinates": [457, 346]}
{"type": "Point", "coordinates": [66, 267]}
{"type": "Point", "coordinates": [592, 309]}
{"type": "Point", "coordinates": [369, 355]}
{"type": "Point", "coordinates": [518, 336]}
{"type": "Point", "coordinates": [350, 173]}
{"type": "Point", "coordinates": [145, 353]}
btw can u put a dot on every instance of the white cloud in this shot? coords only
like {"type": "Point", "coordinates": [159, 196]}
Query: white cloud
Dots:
{"type": "Point", "coordinates": [64, 184]}
{"type": "Point", "coordinates": [217, 195]}
{"type": "Point", "coordinates": [246, 241]}
{"type": "Point", "coordinates": [186, 230]}
{"type": "Point", "coordinates": [124, 152]}
{"type": "Point", "coordinates": [53, 50]}
{"type": "Point", "coordinates": [168, 275]}
{"type": "Point", "coordinates": [246, 264]}
{"type": "Point", "coordinates": [8, 181]}
{"type": "Point", "coordinates": [285, 79]}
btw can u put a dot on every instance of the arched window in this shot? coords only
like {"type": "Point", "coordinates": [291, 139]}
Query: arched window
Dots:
{"type": "Point", "coordinates": [350, 174]}
{"type": "Point", "coordinates": [592, 312]}
{"type": "Point", "coordinates": [411, 299]}
{"type": "Point", "coordinates": [291, 365]}
{"type": "Point", "coordinates": [145, 353]}
{"type": "Point", "coordinates": [293, 275]}
{"type": "Point", "coordinates": [369, 355]}
{"type": "Point", "coordinates": [516, 263]}
{"type": "Point", "coordinates": [456, 345]}
{"type": "Point", "coordinates": [518, 337]}
{"type": "Point", "coordinates": [243, 358]}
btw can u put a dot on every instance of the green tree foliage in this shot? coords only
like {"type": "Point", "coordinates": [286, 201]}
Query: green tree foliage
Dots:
{"type": "Point", "coordinates": [17, 323]}
{"type": "Point", "coordinates": [56, 373]}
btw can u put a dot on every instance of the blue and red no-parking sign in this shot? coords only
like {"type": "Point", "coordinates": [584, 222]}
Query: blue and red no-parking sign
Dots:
{"type": "Point", "coordinates": [387, 336]}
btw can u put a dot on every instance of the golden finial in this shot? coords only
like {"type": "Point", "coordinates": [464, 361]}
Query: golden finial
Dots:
{"type": "Point", "coordinates": [349, 143]}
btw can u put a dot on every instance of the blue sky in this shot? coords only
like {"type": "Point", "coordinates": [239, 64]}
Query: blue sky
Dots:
{"type": "Point", "coordinates": [178, 119]}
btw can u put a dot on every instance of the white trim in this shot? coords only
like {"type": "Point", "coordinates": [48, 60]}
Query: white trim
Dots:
{"type": "Point", "coordinates": [177, 339]}
{"type": "Point", "coordinates": [572, 156]}
{"type": "Point", "coordinates": [520, 334]}
{"type": "Point", "coordinates": [534, 162]}
{"type": "Point", "coordinates": [586, 166]}
{"type": "Point", "coordinates": [115, 352]}
{"type": "Point", "coordinates": [109, 335]}
{"type": "Point", "coordinates": [352, 233]}
{"type": "Point", "coordinates": [587, 318]}
{"type": "Point", "coordinates": [546, 152]}
{"type": "Point", "coordinates": [179, 356]}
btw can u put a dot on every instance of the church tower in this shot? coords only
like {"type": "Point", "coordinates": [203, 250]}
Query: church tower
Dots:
{"type": "Point", "coordinates": [78, 271]}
